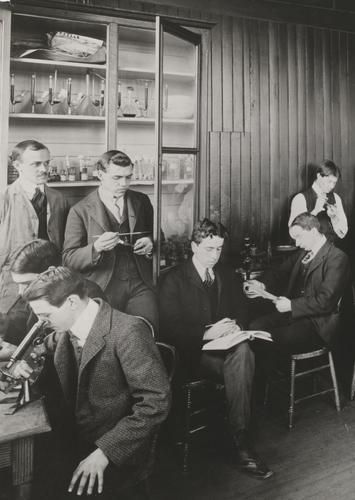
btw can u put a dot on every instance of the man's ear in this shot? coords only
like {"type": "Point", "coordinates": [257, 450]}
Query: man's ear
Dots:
{"type": "Point", "coordinates": [74, 301]}
{"type": "Point", "coordinates": [194, 246]}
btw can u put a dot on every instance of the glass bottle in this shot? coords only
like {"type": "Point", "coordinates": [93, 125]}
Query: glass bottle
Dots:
{"type": "Point", "coordinates": [72, 174]}
{"type": "Point", "coordinates": [84, 173]}
{"type": "Point", "coordinates": [63, 175]}
{"type": "Point", "coordinates": [130, 108]}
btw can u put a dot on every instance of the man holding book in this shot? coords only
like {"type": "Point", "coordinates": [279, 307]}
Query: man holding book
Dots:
{"type": "Point", "coordinates": [196, 300]}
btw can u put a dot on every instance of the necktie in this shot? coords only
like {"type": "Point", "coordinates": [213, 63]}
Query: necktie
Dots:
{"type": "Point", "coordinates": [208, 281]}
{"type": "Point", "coordinates": [38, 198]}
{"type": "Point", "coordinates": [308, 257]}
{"type": "Point", "coordinates": [117, 213]}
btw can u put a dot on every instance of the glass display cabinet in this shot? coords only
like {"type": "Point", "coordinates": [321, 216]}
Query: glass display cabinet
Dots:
{"type": "Point", "coordinates": [84, 84]}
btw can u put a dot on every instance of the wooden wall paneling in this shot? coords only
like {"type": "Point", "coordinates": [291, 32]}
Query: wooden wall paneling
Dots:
{"type": "Point", "coordinates": [238, 76]}
{"type": "Point", "coordinates": [274, 129]}
{"type": "Point", "coordinates": [246, 73]}
{"type": "Point", "coordinates": [318, 95]}
{"type": "Point", "coordinates": [227, 74]}
{"type": "Point", "coordinates": [216, 65]}
{"type": "Point", "coordinates": [292, 67]}
{"type": "Point", "coordinates": [225, 180]}
{"type": "Point", "coordinates": [215, 176]}
{"type": "Point", "coordinates": [283, 133]}
{"type": "Point", "coordinates": [327, 93]}
{"type": "Point", "coordinates": [255, 191]}
{"type": "Point", "coordinates": [245, 184]}
{"type": "Point", "coordinates": [345, 187]}
{"type": "Point", "coordinates": [265, 201]}
{"type": "Point", "coordinates": [301, 106]}
{"type": "Point", "coordinates": [235, 181]}
{"type": "Point", "coordinates": [310, 93]}
{"type": "Point", "coordinates": [335, 98]}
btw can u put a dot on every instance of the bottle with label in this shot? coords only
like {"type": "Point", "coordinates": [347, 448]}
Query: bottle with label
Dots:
{"type": "Point", "coordinates": [72, 174]}
{"type": "Point", "coordinates": [63, 175]}
{"type": "Point", "coordinates": [84, 174]}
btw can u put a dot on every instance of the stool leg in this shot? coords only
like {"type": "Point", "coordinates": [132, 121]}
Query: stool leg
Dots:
{"type": "Point", "coordinates": [335, 383]}
{"type": "Point", "coordinates": [292, 394]}
{"type": "Point", "coordinates": [186, 437]}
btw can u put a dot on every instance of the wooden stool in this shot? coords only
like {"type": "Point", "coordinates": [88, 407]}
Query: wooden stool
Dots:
{"type": "Point", "coordinates": [296, 375]}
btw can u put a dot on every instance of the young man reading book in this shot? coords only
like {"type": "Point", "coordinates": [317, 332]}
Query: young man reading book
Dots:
{"type": "Point", "coordinates": [194, 295]}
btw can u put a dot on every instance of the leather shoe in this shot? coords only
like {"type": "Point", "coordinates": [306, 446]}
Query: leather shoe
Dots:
{"type": "Point", "coordinates": [250, 463]}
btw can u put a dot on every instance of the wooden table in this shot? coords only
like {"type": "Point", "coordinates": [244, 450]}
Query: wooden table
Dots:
{"type": "Point", "coordinates": [17, 441]}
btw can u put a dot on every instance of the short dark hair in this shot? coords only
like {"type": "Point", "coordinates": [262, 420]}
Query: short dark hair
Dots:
{"type": "Point", "coordinates": [113, 156]}
{"type": "Point", "coordinates": [207, 229]}
{"type": "Point", "coordinates": [306, 221]}
{"type": "Point", "coordinates": [328, 167]}
{"type": "Point", "coordinates": [36, 256]}
{"type": "Point", "coordinates": [55, 285]}
{"type": "Point", "coordinates": [21, 147]}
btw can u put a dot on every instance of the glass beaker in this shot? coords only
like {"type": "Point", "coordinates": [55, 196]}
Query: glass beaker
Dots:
{"type": "Point", "coordinates": [130, 108]}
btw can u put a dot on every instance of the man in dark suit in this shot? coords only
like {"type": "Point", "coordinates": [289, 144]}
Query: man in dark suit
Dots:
{"type": "Point", "coordinates": [312, 281]}
{"type": "Point", "coordinates": [94, 245]}
{"type": "Point", "coordinates": [194, 295]}
{"type": "Point", "coordinates": [28, 209]}
{"type": "Point", "coordinates": [113, 380]}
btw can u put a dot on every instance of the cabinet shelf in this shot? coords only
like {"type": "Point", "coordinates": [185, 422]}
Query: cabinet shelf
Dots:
{"type": "Point", "coordinates": [72, 67]}
{"type": "Point", "coordinates": [133, 183]}
{"type": "Point", "coordinates": [151, 121]}
{"type": "Point", "coordinates": [131, 72]}
{"type": "Point", "coordinates": [47, 116]}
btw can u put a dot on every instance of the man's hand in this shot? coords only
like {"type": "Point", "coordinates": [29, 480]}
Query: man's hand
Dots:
{"type": "Point", "coordinates": [283, 304]}
{"type": "Point", "coordinates": [320, 202]}
{"type": "Point", "coordinates": [106, 242]}
{"type": "Point", "coordinates": [332, 211]}
{"type": "Point", "coordinates": [6, 349]}
{"type": "Point", "coordinates": [221, 328]}
{"type": "Point", "coordinates": [90, 469]}
{"type": "Point", "coordinates": [21, 370]}
{"type": "Point", "coordinates": [251, 288]}
{"type": "Point", "coordinates": [143, 246]}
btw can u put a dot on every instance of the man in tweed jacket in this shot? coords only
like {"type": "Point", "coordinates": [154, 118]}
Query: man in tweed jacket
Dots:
{"type": "Point", "coordinates": [112, 378]}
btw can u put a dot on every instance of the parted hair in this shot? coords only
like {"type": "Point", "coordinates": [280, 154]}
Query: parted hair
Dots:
{"type": "Point", "coordinates": [35, 257]}
{"type": "Point", "coordinates": [306, 221]}
{"type": "Point", "coordinates": [55, 285]}
{"type": "Point", "coordinates": [207, 229]}
{"type": "Point", "coordinates": [113, 156]}
{"type": "Point", "coordinates": [328, 167]}
{"type": "Point", "coordinates": [21, 147]}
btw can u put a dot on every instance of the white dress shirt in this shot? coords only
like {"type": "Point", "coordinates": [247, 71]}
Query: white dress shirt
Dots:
{"type": "Point", "coordinates": [339, 223]}
{"type": "Point", "coordinates": [112, 202]}
{"type": "Point", "coordinates": [201, 269]}
{"type": "Point", "coordinates": [84, 322]}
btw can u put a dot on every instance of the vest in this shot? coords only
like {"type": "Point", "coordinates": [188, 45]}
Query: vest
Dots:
{"type": "Point", "coordinates": [325, 223]}
{"type": "Point", "coordinates": [298, 287]}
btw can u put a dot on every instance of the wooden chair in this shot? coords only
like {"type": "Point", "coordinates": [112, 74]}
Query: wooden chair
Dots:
{"type": "Point", "coordinates": [196, 399]}
{"type": "Point", "coordinates": [313, 371]}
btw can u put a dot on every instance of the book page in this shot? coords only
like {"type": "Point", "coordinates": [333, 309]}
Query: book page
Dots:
{"type": "Point", "coordinates": [233, 339]}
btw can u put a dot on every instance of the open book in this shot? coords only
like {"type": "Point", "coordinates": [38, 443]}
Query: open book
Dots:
{"type": "Point", "coordinates": [237, 337]}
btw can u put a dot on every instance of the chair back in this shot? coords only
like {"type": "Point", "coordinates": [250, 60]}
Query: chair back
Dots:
{"type": "Point", "coordinates": [168, 355]}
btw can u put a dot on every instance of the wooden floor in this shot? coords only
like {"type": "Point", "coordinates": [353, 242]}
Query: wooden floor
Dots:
{"type": "Point", "coordinates": [316, 460]}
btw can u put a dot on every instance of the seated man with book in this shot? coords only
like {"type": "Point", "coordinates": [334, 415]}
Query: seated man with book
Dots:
{"type": "Point", "coordinates": [196, 300]}
{"type": "Point", "coordinates": [311, 282]}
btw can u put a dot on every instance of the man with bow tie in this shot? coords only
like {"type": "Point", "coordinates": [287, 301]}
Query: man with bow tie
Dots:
{"type": "Point", "coordinates": [311, 283]}
{"type": "Point", "coordinates": [198, 300]}
{"type": "Point", "coordinates": [120, 265]}
{"type": "Point", "coordinates": [29, 209]}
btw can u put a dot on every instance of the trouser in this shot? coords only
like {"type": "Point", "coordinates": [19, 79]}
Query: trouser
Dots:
{"type": "Point", "coordinates": [290, 336]}
{"type": "Point", "coordinates": [133, 296]}
{"type": "Point", "coordinates": [236, 370]}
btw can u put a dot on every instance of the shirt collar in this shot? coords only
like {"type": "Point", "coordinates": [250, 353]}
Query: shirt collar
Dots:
{"type": "Point", "coordinates": [108, 199]}
{"type": "Point", "coordinates": [318, 246]}
{"type": "Point", "coordinates": [201, 269]}
{"type": "Point", "coordinates": [84, 322]}
{"type": "Point", "coordinates": [29, 187]}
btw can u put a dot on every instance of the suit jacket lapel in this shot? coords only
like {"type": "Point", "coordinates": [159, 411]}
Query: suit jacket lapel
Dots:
{"type": "Point", "coordinates": [294, 274]}
{"type": "Point", "coordinates": [318, 259]}
{"type": "Point", "coordinates": [193, 275]}
{"type": "Point", "coordinates": [95, 340]}
{"type": "Point", "coordinates": [133, 207]}
{"type": "Point", "coordinates": [96, 210]}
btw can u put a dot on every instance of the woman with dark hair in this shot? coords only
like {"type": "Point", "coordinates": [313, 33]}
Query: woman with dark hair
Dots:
{"type": "Point", "coordinates": [321, 201]}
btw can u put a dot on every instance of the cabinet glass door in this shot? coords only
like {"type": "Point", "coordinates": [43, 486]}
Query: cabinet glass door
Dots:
{"type": "Point", "coordinates": [177, 139]}
{"type": "Point", "coordinates": [58, 94]}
